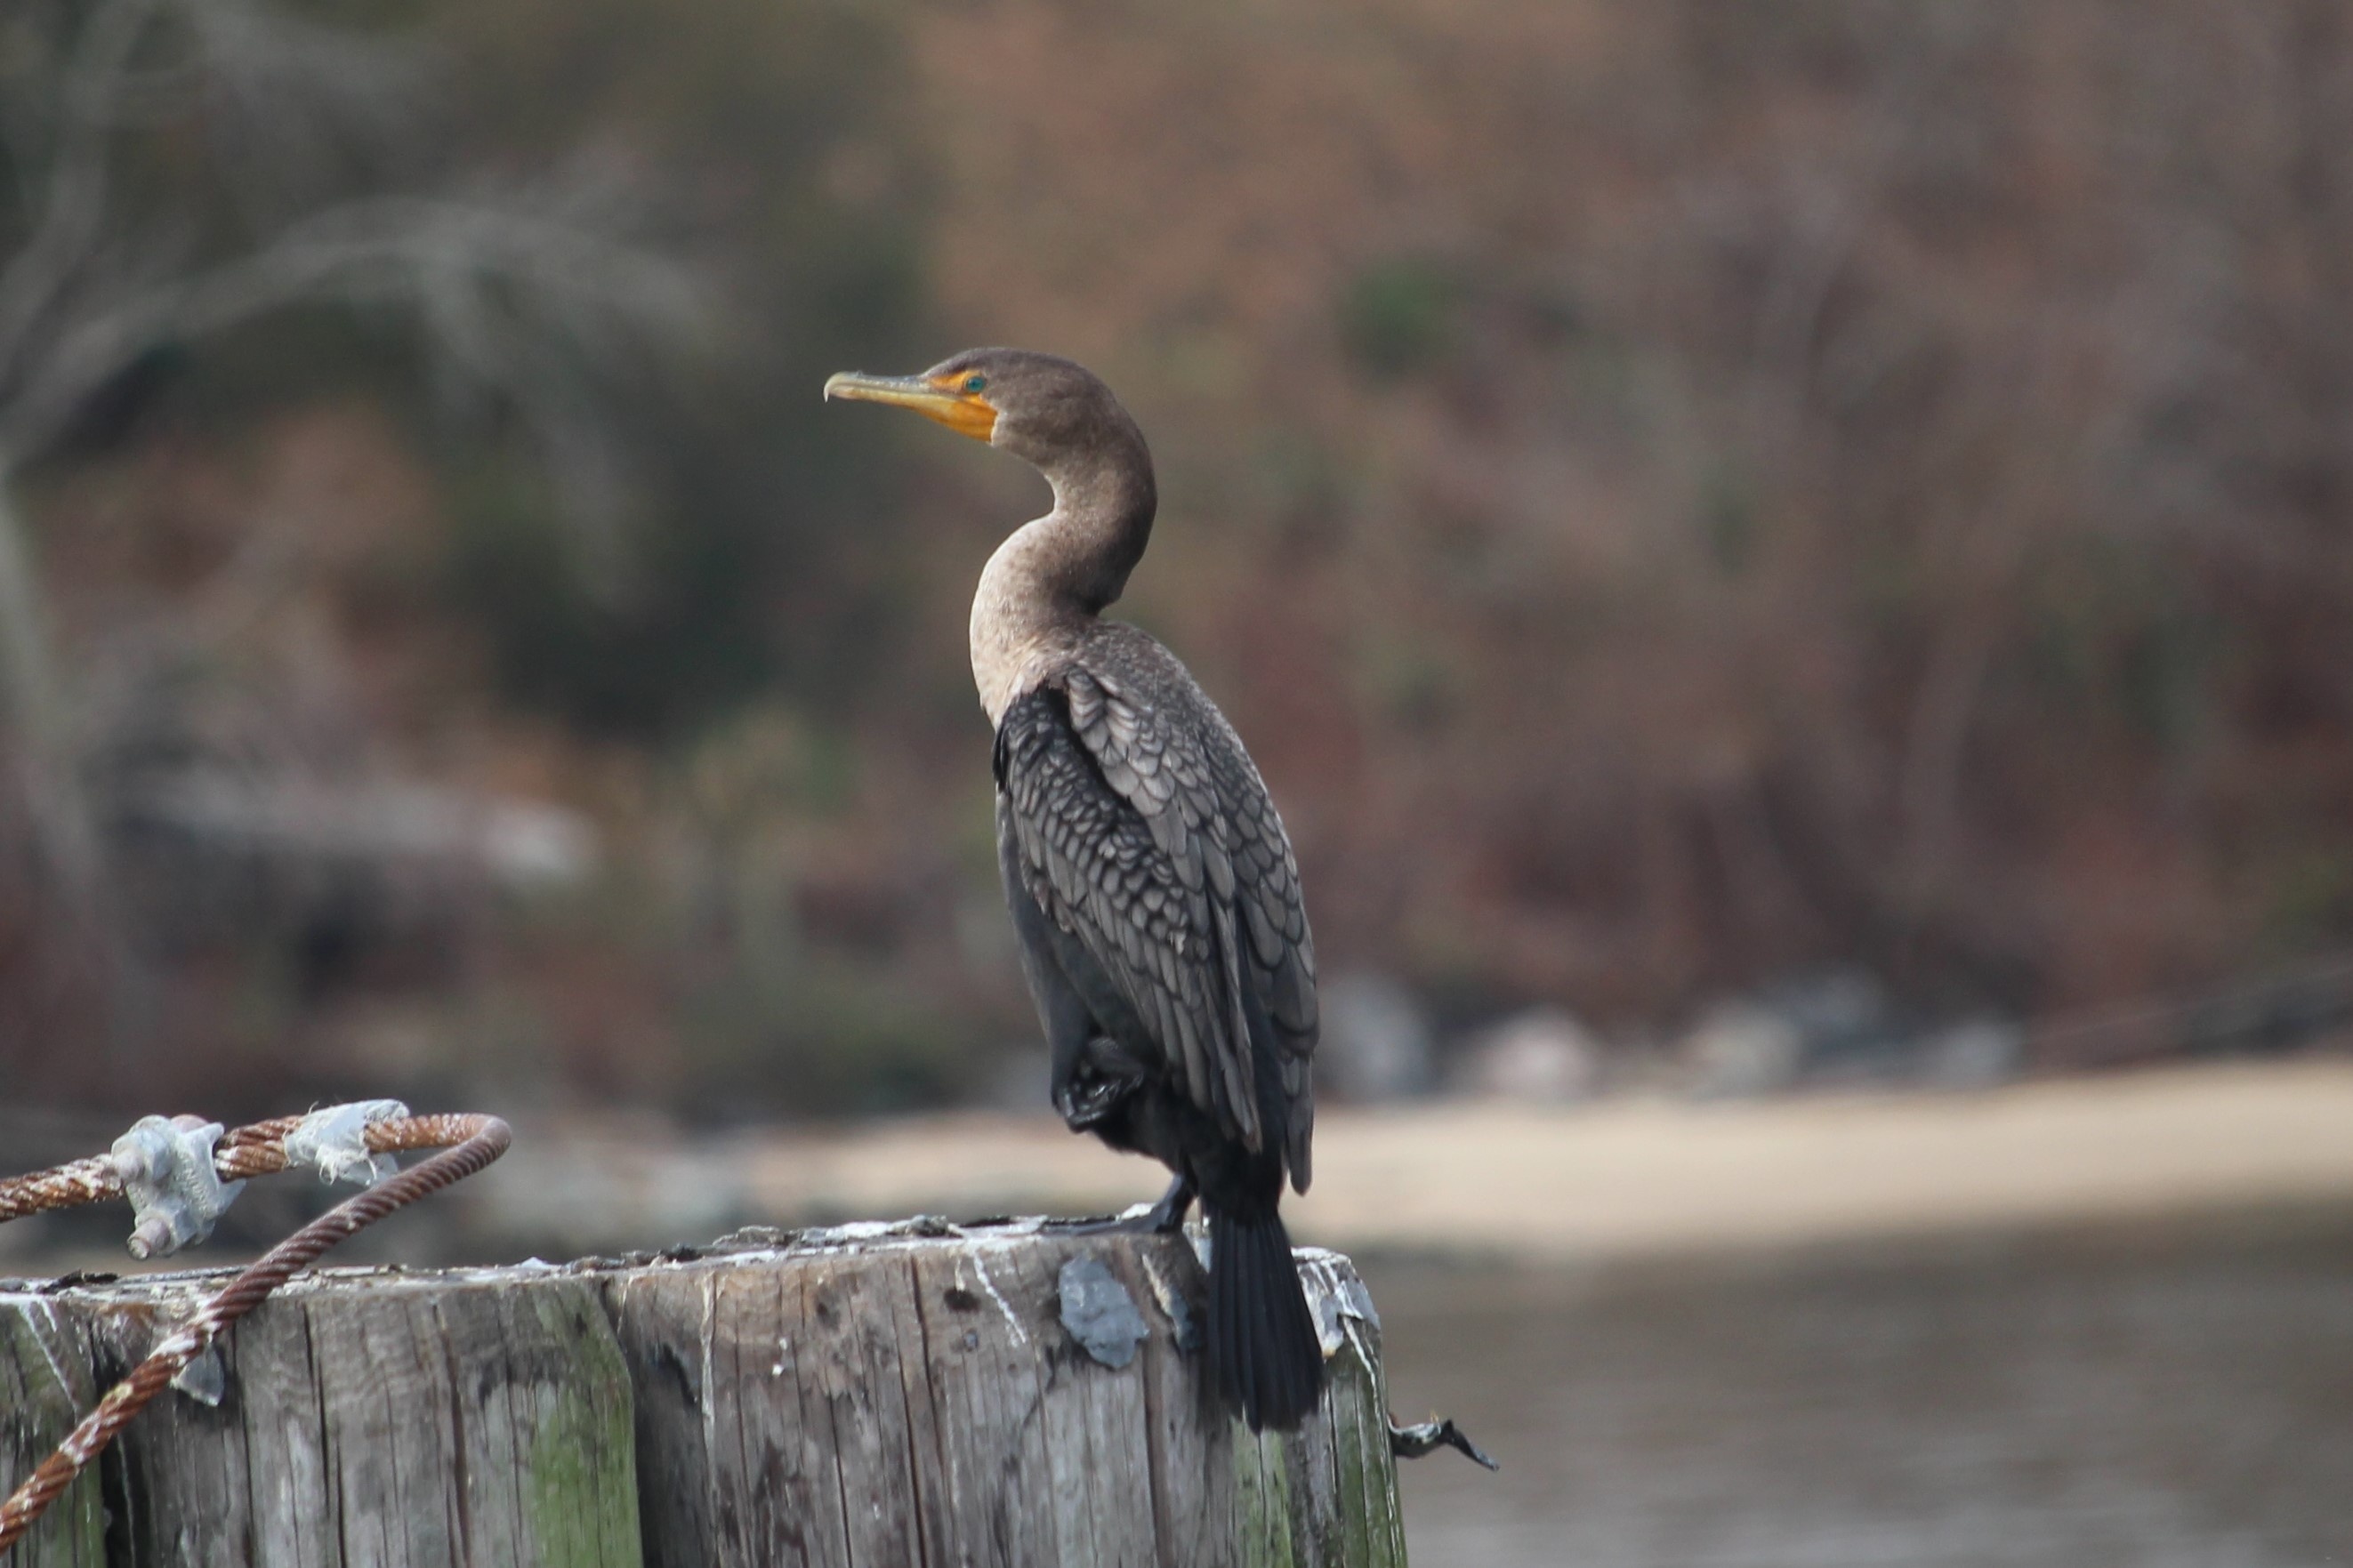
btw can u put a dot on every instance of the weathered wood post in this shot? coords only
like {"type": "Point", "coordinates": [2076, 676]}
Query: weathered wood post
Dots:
{"type": "Point", "coordinates": [915, 1395]}
{"type": "Point", "coordinates": [45, 1386]}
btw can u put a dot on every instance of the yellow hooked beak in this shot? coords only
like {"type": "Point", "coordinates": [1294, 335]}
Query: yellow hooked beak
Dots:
{"type": "Point", "coordinates": [945, 399]}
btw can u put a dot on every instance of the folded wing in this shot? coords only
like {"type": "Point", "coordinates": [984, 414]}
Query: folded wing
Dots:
{"type": "Point", "coordinates": [1142, 829]}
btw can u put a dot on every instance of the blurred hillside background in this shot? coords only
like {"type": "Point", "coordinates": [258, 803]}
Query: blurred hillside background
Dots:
{"type": "Point", "coordinates": [1759, 547]}
{"type": "Point", "coordinates": [1689, 502]}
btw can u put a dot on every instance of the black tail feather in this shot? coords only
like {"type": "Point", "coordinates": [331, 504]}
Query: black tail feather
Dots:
{"type": "Point", "coordinates": [1263, 1351]}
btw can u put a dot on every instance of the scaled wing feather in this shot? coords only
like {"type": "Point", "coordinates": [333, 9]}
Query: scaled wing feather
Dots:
{"type": "Point", "coordinates": [1148, 835]}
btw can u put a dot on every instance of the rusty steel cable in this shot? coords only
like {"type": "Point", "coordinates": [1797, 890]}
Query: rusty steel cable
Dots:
{"type": "Point", "coordinates": [258, 1149]}
{"type": "Point", "coordinates": [469, 1144]}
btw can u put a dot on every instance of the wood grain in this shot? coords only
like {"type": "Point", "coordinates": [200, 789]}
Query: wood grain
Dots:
{"type": "Point", "coordinates": [45, 1388]}
{"type": "Point", "coordinates": [905, 1398]}
{"type": "Point", "coordinates": [896, 1397]}
{"type": "Point", "coordinates": [408, 1422]}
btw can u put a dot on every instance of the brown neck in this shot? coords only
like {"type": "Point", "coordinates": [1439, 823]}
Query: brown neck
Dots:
{"type": "Point", "coordinates": [1050, 581]}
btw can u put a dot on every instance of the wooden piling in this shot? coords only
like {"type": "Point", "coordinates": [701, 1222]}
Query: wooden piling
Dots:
{"type": "Point", "coordinates": [918, 1395]}
{"type": "Point", "coordinates": [45, 1386]}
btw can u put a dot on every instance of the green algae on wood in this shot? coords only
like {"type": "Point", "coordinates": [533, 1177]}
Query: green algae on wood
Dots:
{"type": "Point", "coordinates": [45, 1390]}
{"type": "Point", "coordinates": [1364, 1467]}
{"type": "Point", "coordinates": [408, 1420]}
{"type": "Point", "coordinates": [583, 1495]}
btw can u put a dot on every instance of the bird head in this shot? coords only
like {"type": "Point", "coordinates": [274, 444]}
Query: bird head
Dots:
{"type": "Point", "coordinates": [1036, 406]}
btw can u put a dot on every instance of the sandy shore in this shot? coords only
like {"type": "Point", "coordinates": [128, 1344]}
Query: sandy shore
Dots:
{"type": "Point", "coordinates": [1614, 1179]}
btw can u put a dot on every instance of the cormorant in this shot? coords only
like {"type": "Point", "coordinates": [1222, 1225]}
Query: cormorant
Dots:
{"type": "Point", "coordinates": [1162, 929]}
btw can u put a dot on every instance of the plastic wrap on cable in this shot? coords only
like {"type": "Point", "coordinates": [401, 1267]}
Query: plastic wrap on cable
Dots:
{"type": "Point", "coordinates": [332, 1140]}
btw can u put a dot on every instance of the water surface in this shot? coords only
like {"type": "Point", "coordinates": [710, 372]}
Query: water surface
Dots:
{"type": "Point", "coordinates": [2176, 1396]}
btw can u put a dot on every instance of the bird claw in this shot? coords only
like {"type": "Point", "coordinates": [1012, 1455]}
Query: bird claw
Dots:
{"type": "Point", "coordinates": [1085, 1105]}
{"type": "Point", "coordinates": [1167, 1215]}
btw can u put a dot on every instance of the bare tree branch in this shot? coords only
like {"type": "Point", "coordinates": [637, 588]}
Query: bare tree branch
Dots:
{"type": "Point", "coordinates": [29, 692]}
{"type": "Point", "coordinates": [444, 258]}
{"type": "Point", "coordinates": [74, 215]}
{"type": "Point", "coordinates": [519, 290]}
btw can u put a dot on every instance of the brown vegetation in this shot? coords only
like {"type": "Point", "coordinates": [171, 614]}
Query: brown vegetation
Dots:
{"type": "Point", "coordinates": [1730, 488]}
{"type": "Point", "coordinates": [1671, 493]}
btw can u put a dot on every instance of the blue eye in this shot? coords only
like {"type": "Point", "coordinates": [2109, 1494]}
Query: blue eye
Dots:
{"type": "Point", "coordinates": [974, 382]}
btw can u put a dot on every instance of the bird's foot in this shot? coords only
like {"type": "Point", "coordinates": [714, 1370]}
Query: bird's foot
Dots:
{"type": "Point", "coordinates": [1168, 1214]}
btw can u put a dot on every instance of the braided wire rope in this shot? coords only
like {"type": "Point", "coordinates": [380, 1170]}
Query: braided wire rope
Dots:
{"type": "Point", "coordinates": [469, 1142]}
